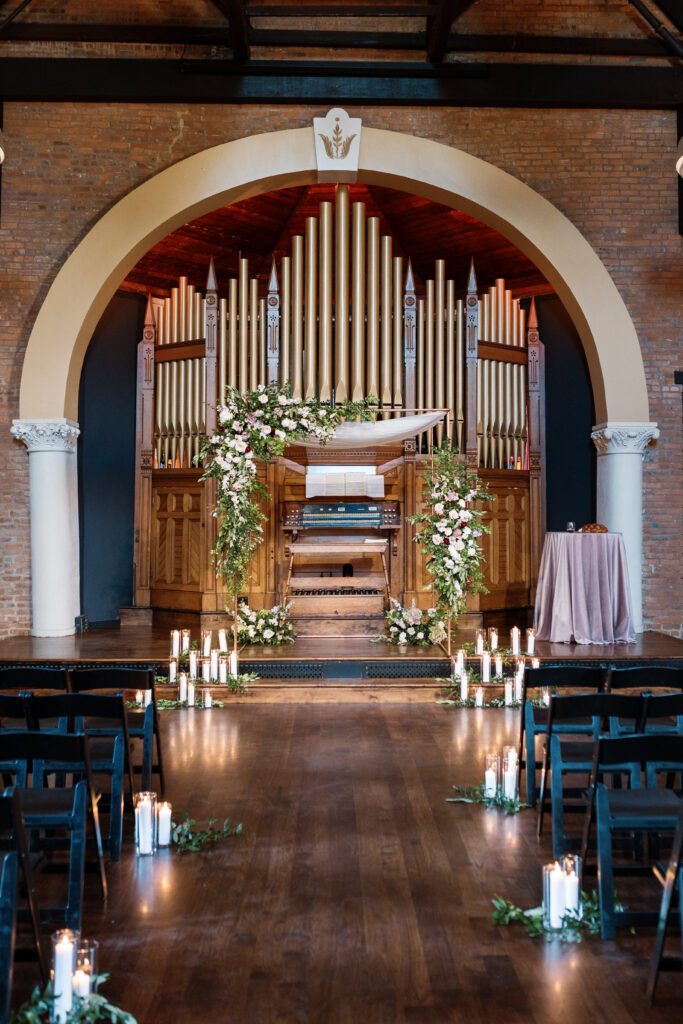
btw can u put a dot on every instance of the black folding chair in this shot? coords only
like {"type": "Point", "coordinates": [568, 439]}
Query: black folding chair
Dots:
{"type": "Point", "coordinates": [117, 679]}
{"type": "Point", "coordinates": [15, 841]}
{"type": "Point", "coordinates": [33, 677]}
{"type": "Point", "coordinates": [653, 809]}
{"type": "Point", "coordinates": [8, 923]}
{"type": "Point", "coordinates": [672, 879]}
{"type": "Point", "coordinates": [644, 677]}
{"type": "Point", "coordinates": [533, 720]}
{"type": "Point", "coordinates": [663, 713]}
{"type": "Point", "coordinates": [104, 719]}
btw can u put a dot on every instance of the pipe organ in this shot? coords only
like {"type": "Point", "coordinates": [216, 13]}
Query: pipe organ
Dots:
{"type": "Point", "coordinates": [340, 316]}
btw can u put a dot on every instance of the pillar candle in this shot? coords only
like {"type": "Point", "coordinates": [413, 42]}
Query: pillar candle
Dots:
{"type": "Point", "coordinates": [514, 640]}
{"type": "Point", "coordinates": [546, 696]}
{"type": "Point", "coordinates": [80, 984]}
{"type": "Point", "coordinates": [519, 687]}
{"type": "Point", "coordinates": [63, 966]}
{"type": "Point", "coordinates": [535, 663]}
{"type": "Point", "coordinates": [190, 693]}
{"type": "Point", "coordinates": [143, 813]}
{"type": "Point", "coordinates": [510, 783]}
{"type": "Point", "coordinates": [479, 697]}
{"type": "Point", "coordinates": [223, 640]}
{"type": "Point", "coordinates": [207, 638]}
{"type": "Point", "coordinates": [185, 641]}
{"type": "Point", "coordinates": [493, 639]}
{"type": "Point", "coordinates": [148, 698]}
{"type": "Point", "coordinates": [182, 687]}
{"type": "Point", "coordinates": [572, 894]}
{"type": "Point", "coordinates": [175, 643]}
{"type": "Point", "coordinates": [499, 666]}
{"type": "Point", "coordinates": [490, 782]}
{"type": "Point", "coordinates": [557, 897]}
{"type": "Point", "coordinates": [479, 649]}
{"type": "Point", "coordinates": [222, 669]}
{"type": "Point", "coordinates": [213, 667]}
{"type": "Point", "coordinates": [194, 661]}
{"type": "Point", "coordinates": [233, 664]}
{"type": "Point", "coordinates": [206, 669]}
{"type": "Point", "coordinates": [173, 670]}
{"type": "Point", "coordinates": [460, 662]}
{"type": "Point", "coordinates": [463, 686]}
{"type": "Point", "coordinates": [207, 699]}
{"type": "Point", "coordinates": [530, 641]}
{"type": "Point", "coordinates": [486, 667]}
{"type": "Point", "coordinates": [164, 824]}
{"type": "Point", "coordinates": [508, 692]}
{"type": "Point", "coordinates": [140, 697]}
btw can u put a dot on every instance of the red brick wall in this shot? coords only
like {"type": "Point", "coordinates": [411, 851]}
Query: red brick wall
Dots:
{"type": "Point", "coordinates": [611, 172]}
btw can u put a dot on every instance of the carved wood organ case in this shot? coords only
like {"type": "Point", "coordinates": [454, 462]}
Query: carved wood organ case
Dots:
{"type": "Point", "coordinates": [340, 317]}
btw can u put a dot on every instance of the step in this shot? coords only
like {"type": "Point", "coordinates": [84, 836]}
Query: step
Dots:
{"type": "Point", "coordinates": [358, 623]}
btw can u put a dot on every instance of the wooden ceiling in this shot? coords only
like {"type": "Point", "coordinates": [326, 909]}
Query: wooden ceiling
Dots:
{"type": "Point", "coordinates": [262, 227]}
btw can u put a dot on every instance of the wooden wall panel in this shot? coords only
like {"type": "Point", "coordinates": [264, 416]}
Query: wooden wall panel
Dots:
{"type": "Point", "coordinates": [176, 556]}
{"type": "Point", "coordinates": [507, 547]}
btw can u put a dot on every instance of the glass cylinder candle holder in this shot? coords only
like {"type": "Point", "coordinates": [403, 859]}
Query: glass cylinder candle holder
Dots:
{"type": "Point", "coordinates": [499, 667]}
{"type": "Point", "coordinates": [234, 669]}
{"type": "Point", "coordinates": [172, 670]}
{"type": "Point", "coordinates": [223, 668]}
{"type": "Point", "coordinates": [491, 775]}
{"type": "Point", "coordinates": [213, 667]}
{"type": "Point", "coordinates": [64, 950]}
{"type": "Point", "coordinates": [515, 640]}
{"type": "Point", "coordinates": [185, 641]}
{"type": "Point", "coordinates": [193, 659]}
{"type": "Point", "coordinates": [530, 641]}
{"type": "Point", "coordinates": [182, 687]}
{"type": "Point", "coordinates": [147, 698]}
{"type": "Point", "coordinates": [223, 641]}
{"type": "Point", "coordinates": [463, 687]}
{"type": "Point", "coordinates": [84, 980]}
{"type": "Point", "coordinates": [207, 642]}
{"type": "Point", "coordinates": [493, 639]}
{"type": "Point", "coordinates": [164, 815]}
{"type": "Point", "coordinates": [140, 697]}
{"type": "Point", "coordinates": [486, 667]}
{"type": "Point", "coordinates": [572, 866]}
{"type": "Point", "coordinates": [206, 669]}
{"type": "Point", "coordinates": [510, 790]}
{"type": "Point", "coordinates": [545, 696]}
{"type": "Point", "coordinates": [535, 662]}
{"type": "Point", "coordinates": [509, 692]}
{"type": "Point", "coordinates": [460, 662]}
{"type": "Point", "coordinates": [207, 698]}
{"type": "Point", "coordinates": [145, 823]}
{"type": "Point", "coordinates": [554, 899]}
{"type": "Point", "coordinates": [479, 697]}
{"type": "Point", "coordinates": [174, 651]}
{"type": "Point", "coordinates": [480, 643]}
{"type": "Point", "coordinates": [191, 693]}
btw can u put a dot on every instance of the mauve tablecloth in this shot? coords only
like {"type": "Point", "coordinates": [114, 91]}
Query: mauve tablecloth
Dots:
{"type": "Point", "coordinates": [583, 590]}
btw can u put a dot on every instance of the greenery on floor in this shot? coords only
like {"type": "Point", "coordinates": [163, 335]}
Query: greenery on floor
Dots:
{"type": "Point", "coordinates": [96, 1008]}
{"type": "Point", "coordinates": [574, 927]}
{"type": "Point", "coordinates": [188, 838]}
{"type": "Point", "coordinates": [477, 795]}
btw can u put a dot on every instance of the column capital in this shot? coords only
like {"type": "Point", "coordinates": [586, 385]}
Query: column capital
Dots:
{"type": "Point", "coordinates": [623, 438]}
{"type": "Point", "coordinates": [46, 435]}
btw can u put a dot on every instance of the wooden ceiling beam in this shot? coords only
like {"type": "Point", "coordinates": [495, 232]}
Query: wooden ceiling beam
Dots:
{"type": "Point", "coordinates": [657, 26]}
{"type": "Point", "coordinates": [239, 26]}
{"type": "Point", "coordinates": [439, 27]}
{"type": "Point", "coordinates": [324, 10]}
{"type": "Point", "coordinates": [34, 31]}
{"type": "Point", "coordinates": [673, 10]}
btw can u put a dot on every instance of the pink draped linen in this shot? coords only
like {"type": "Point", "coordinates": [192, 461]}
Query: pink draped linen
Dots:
{"type": "Point", "coordinates": [583, 590]}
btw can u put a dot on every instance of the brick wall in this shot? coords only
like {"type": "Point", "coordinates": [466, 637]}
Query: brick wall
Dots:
{"type": "Point", "coordinates": [610, 172]}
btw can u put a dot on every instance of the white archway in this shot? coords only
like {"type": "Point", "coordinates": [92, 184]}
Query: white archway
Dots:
{"type": "Point", "coordinates": [262, 163]}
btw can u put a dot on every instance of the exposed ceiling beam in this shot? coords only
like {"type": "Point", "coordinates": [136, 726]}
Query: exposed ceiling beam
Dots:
{"type": "Point", "coordinates": [629, 46]}
{"type": "Point", "coordinates": [673, 10]}
{"type": "Point", "coordinates": [325, 10]}
{"type": "Point", "coordinates": [439, 27]}
{"type": "Point", "coordinates": [239, 28]}
{"type": "Point", "coordinates": [35, 31]}
{"type": "Point", "coordinates": [9, 18]}
{"type": "Point", "coordinates": [656, 24]}
{"type": "Point", "coordinates": [383, 82]}
{"type": "Point", "coordinates": [338, 39]}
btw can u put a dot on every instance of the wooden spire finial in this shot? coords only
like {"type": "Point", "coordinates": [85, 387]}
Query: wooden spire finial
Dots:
{"type": "Point", "coordinates": [149, 312]}
{"type": "Point", "coordinates": [533, 319]}
{"type": "Point", "coordinates": [472, 278]}
{"type": "Point", "coordinates": [410, 281]}
{"type": "Point", "coordinates": [211, 283]}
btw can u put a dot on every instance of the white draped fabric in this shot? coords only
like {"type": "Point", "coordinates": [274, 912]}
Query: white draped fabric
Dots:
{"type": "Point", "coordinates": [381, 432]}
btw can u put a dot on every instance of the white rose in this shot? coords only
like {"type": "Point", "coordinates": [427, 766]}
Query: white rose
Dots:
{"type": "Point", "coordinates": [420, 636]}
{"type": "Point", "coordinates": [263, 399]}
{"type": "Point", "coordinates": [436, 538]}
{"type": "Point", "coordinates": [438, 508]}
{"type": "Point", "coordinates": [402, 638]}
{"type": "Point", "coordinates": [462, 503]}
{"type": "Point", "coordinates": [267, 634]}
{"type": "Point", "coordinates": [411, 631]}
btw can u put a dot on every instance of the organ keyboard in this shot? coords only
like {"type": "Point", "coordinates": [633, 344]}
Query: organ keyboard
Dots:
{"type": "Point", "coordinates": [333, 515]}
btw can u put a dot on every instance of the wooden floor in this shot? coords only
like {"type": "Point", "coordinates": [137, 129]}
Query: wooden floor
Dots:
{"type": "Point", "coordinates": [356, 894]}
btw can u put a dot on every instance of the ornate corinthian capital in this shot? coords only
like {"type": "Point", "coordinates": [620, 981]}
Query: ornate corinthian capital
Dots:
{"type": "Point", "coordinates": [47, 435]}
{"type": "Point", "coordinates": [624, 438]}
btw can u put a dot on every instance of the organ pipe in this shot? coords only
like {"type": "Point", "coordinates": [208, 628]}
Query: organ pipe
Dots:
{"type": "Point", "coordinates": [398, 331]}
{"type": "Point", "coordinates": [341, 324]}
{"type": "Point", "coordinates": [253, 334]}
{"type": "Point", "coordinates": [358, 303]}
{"type": "Point", "coordinates": [233, 377]}
{"type": "Point", "coordinates": [286, 319]}
{"type": "Point", "coordinates": [325, 278]}
{"type": "Point", "coordinates": [297, 315]}
{"type": "Point", "coordinates": [450, 357]}
{"type": "Point", "coordinates": [243, 322]}
{"type": "Point", "coordinates": [386, 323]}
{"type": "Point", "coordinates": [311, 321]}
{"type": "Point", "coordinates": [373, 296]}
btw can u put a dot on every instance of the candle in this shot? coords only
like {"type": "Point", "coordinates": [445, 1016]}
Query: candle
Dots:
{"type": "Point", "coordinates": [139, 697]}
{"type": "Point", "coordinates": [491, 776]}
{"type": "Point", "coordinates": [486, 667]}
{"type": "Point", "coordinates": [148, 698]}
{"type": "Point", "coordinates": [479, 697]}
{"type": "Point", "coordinates": [535, 663]}
{"type": "Point", "coordinates": [175, 643]}
{"type": "Point", "coordinates": [185, 641]}
{"type": "Point", "coordinates": [479, 648]}
{"type": "Point", "coordinates": [223, 640]}
{"type": "Point", "coordinates": [493, 639]}
{"type": "Point", "coordinates": [223, 669]}
{"type": "Point", "coordinates": [233, 664]}
{"type": "Point", "coordinates": [460, 662]}
{"type": "Point", "coordinates": [194, 661]}
{"type": "Point", "coordinates": [530, 641]}
{"type": "Point", "coordinates": [519, 686]}
{"type": "Point", "coordinates": [143, 821]}
{"type": "Point", "coordinates": [213, 669]}
{"type": "Point", "coordinates": [190, 693]}
{"type": "Point", "coordinates": [80, 984]}
{"type": "Point", "coordinates": [463, 687]}
{"type": "Point", "coordinates": [207, 638]}
{"type": "Point", "coordinates": [572, 893]}
{"type": "Point", "coordinates": [63, 964]}
{"type": "Point", "coordinates": [508, 693]}
{"type": "Point", "coordinates": [510, 773]}
{"type": "Point", "coordinates": [172, 670]}
{"type": "Point", "coordinates": [206, 669]}
{"type": "Point", "coordinates": [514, 639]}
{"type": "Point", "coordinates": [182, 687]}
{"type": "Point", "coordinates": [499, 666]}
{"type": "Point", "coordinates": [546, 696]}
{"type": "Point", "coordinates": [556, 896]}
{"type": "Point", "coordinates": [207, 699]}
{"type": "Point", "coordinates": [164, 824]}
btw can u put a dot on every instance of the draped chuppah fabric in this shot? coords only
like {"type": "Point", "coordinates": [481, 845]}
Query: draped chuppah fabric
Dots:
{"type": "Point", "coordinates": [377, 433]}
{"type": "Point", "coordinates": [583, 590]}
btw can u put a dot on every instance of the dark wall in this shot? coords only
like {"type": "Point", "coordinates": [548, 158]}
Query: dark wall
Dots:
{"type": "Point", "coordinates": [107, 458]}
{"type": "Point", "coordinates": [570, 453]}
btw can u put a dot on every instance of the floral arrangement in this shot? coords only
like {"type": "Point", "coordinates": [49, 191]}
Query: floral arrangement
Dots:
{"type": "Point", "coordinates": [450, 527]}
{"type": "Point", "coordinates": [258, 425]}
{"type": "Point", "coordinates": [413, 626]}
{"type": "Point", "coordinates": [265, 626]}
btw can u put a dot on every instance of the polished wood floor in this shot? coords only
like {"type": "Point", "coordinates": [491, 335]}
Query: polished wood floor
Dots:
{"type": "Point", "coordinates": [356, 894]}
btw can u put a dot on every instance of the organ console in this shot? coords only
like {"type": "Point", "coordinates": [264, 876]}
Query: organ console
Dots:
{"type": "Point", "coordinates": [341, 315]}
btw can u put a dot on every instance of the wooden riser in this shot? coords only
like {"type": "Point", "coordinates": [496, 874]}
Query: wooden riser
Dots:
{"type": "Point", "coordinates": [390, 691]}
{"type": "Point", "coordinates": [338, 606]}
{"type": "Point", "coordinates": [359, 624]}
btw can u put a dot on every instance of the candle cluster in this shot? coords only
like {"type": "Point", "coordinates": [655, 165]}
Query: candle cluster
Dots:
{"type": "Point", "coordinates": [486, 653]}
{"type": "Point", "coordinates": [152, 824]}
{"type": "Point", "coordinates": [205, 663]}
{"type": "Point", "coordinates": [501, 774]}
{"type": "Point", "coordinates": [561, 890]}
{"type": "Point", "coordinates": [74, 971]}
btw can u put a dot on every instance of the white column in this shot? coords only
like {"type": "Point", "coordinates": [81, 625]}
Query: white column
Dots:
{"type": "Point", "coordinates": [621, 447]}
{"type": "Point", "coordinates": [53, 479]}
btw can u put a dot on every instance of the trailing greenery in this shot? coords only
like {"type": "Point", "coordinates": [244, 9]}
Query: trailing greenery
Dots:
{"type": "Point", "coordinates": [96, 1008]}
{"type": "Point", "coordinates": [450, 527]}
{"type": "Point", "coordinates": [477, 795]}
{"type": "Point", "coordinates": [258, 425]}
{"type": "Point", "coordinates": [188, 838]}
{"type": "Point", "coordinates": [573, 929]}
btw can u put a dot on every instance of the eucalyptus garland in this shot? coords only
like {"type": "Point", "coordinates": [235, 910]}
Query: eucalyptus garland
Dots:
{"type": "Point", "coordinates": [477, 795]}
{"type": "Point", "coordinates": [450, 527]}
{"type": "Point", "coordinates": [39, 1009]}
{"type": "Point", "coordinates": [573, 928]}
{"type": "Point", "coordinates": [258, 425]}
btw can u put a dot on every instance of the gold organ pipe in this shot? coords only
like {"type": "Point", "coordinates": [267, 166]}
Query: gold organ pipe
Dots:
{"type": "Point", "coordinates": [460, 374]}
{"type": "Point", "coordinates": [515, 322]}
{"type": "Point", "coordinates": [341, 302]}
{"type": "Point", "coordinates": [222, 375]}
{"type": "Point", "coordinates": [262, 356]}
{"type": "Point", "coordinates": [233, 378]}
{"type": "Point", "coordinates": [325, 279]}
{"type": "Point", "coordinates": [189, 408]}
{"type": "Point", "coordinates": [199, 392]}
{"type": "Point", "coordinates": [159, 322]}
{"type": "Point", "coordinates": [486, 412]}
{"type": "Point", "coordinates": [199, 328]}
{"type": "Point", "coordinates": [482, 445]}
{"type": "Point", "coordinates": [420, 353]}
{"type": "Point", "coordinates": [509, 318]}
{"type": "Point", "coordinates": [373, 297]}
{"type": "Point", "coordinates": [358, 303]}
{"type": "Point", "coordinates": [253, 334]}
{"type": "Point", "coordinates": [429, 347]}
{"type": "Point", "coordinates": [297, 315]}
{"type": "Point", "coordinates": [439, 352]}
{"type": "Point", "coordinates": [175, 335]}
{"type": "Point", "coordinates": [498, 387]}
{"type": "Point", "coordinates": [386, 333]}
{"type": "Point", "coordinates": [311, 316]}
{"type": "Point", "coordinates": [182, 309]}
{"type": "Point", "coordinates": [243, 362]}
{"type": "Point", "coordinates": [167, 322]}
{"type": "Point", "coordinates": [493, 315]}
{"type": "Point", "coordinates": [398, 332]}
{"type": "Point", "coordinates": [182, 446]}
{"type": "Point", "coordinates": [189, 315]}
{"type": "Point", "coordinates": [509, 414]}
{"type": "Point", "coordinates": [500, 310]}
{"type": "Point", "coordinates": [174, 415]}
{"type": "Point", "coordinates": [166, 413]}
{"type": "Point", "coordinates": [285, 318]}
{"type": "Point", "coordinates": [450, 355]}
{"type": "Point", "coordinates": [522, 327]}
{"type": "Point", "coordinates": [514, 431]}
{"type": "Point", "coordinates": [522, 408]}
{"type": "Point", "coordinates": [158, 411]}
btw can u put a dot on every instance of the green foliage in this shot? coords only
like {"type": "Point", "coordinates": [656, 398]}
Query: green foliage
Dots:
{"type": "Point", "coordinates": [95, 1009]}
{"type": "Point", "coordinates": [188, 838]}
{"type": "Point", "coordinates": [573, 928]}
{"type": "Point", "coordinates": [477, 795]}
